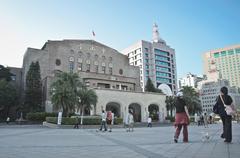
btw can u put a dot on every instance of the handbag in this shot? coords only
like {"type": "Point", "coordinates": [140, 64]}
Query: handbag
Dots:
{"type": "Point", "coordinates": [230, 110]}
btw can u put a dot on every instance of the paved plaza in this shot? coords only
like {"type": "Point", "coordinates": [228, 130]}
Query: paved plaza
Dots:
{"type": "Point", "coordinates": [157, 142]}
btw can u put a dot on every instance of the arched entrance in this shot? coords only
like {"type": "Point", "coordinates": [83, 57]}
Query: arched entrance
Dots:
{"type": "Point", "coordinates": [136, 111]}
{"type": "Point", "coordinates": [114, 107]}
{"type": "Point", "coordinates": [153, 110]}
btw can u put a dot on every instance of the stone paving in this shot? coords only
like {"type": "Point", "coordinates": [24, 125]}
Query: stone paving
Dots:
{"type": "Point", "coordinates": [39, 142]}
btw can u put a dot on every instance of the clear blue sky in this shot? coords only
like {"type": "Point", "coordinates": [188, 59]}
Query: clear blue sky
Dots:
{"type": "Point", "coordinates": [191, 27]}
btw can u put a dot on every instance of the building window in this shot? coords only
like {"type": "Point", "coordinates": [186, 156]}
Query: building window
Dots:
{"type": "Point", "coordinates": [88, 68]}
{"type": "Point", "coordinates": [71, 66]}
{"type": "Point", "coordinates": [104, 69]}
{"type": "Point", "coordinates": [110, 70]}
{"type": "Point", "coordinates": [103, 57]}
{"type": "Point", "coordinates": [80, 67]}
{"type": "Point", "coordinates": [146, 49]}
{"type": "Point", "coordinates": [58, 62]}
{"type": "Point", "coordinates": [120, 71]}
{"type": "Point", "coordinates": [96, 68]}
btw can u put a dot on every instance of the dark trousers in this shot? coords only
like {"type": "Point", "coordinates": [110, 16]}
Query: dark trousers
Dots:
{"type": "Point", "coordinates": [149, 124]}
{"type": "Point", "coordinates": [185, 132]}
{"type": "Point", "coordinates": [227, 127]}
{"type": "Point", "coordinates": [103, 124]}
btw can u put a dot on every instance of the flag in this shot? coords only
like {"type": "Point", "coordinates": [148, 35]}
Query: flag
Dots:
{"type": "Point", "coordinates": [93, 33]}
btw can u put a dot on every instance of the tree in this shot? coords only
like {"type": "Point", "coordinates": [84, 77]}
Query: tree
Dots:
{"type": "Point", "coordinates": [5, 73]}
{"type": "Point", "coordinates": [8, 97]}
{"type": "Point", "coordinates": [64, 92]}
{"type": "Point", "coordinates": [191, 98]}
{"type": "Point", "coordinates": [87, 97]}
{"type": "Point", "coordinates": [170, 104]}
{"type": "Point", "coordinates": [150, 87]}
{"type": "Point", "coordinates": [33, 92]}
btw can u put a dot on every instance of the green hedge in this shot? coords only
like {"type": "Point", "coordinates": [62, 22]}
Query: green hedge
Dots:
{"type": "Point", "coordinates": [172, 119]}
{"type": "Point", "coordinates": [39, 116]}
{"type": "Point", "coordinates": [86, 121]}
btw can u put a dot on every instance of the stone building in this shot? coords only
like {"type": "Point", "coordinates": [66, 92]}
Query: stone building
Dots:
{"type": "Point", "coordinates": [100, 67]}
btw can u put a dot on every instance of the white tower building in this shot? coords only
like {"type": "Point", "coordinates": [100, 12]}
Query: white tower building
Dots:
{"type": "Point", "coordinates": [156, 61]}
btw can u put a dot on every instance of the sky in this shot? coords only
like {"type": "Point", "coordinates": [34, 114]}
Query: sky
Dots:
{"type": "Point", "coordinates": [191, 27]}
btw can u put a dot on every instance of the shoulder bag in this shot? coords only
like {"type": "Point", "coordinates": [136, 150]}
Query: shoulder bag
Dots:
{"type": "Point", "coordinates": [230, 110]}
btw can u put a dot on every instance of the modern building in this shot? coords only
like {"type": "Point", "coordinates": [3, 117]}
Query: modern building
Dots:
{"type": "Point", "coordinates": [190, 80]}
{"type": "Point", "coordinates": [209, 90]}
{"type": "Point", "coordinates": [156, 61]}
{"type": "Point", "coordinates": [225, 61]}
{"type": "Point", "coordinates": [102, 68]}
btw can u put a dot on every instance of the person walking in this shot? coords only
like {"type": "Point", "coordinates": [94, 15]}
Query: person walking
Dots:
{"type": "Point", "coordinates": [109, 120]}
{"type": "Point", "coordinates": [222, 99]}
{"type": "Point", "coordinates": [130, 121]}
{"type": "Point", "coordinates": [182, 118]}
{"type": "Point", "coordinates": [103, 123]}
{"type": "Point", "coordinates": [149, 121]}
{"type": "Point", "coordinates": [8, 120]}
{"type": "Point", "coordinates": [205, 120]}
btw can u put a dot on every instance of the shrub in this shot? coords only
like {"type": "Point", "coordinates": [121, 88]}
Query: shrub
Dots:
{"type": "Point", "coordinates": [172, 119]}
{"type": "Point", "coordinates": [39, 116]}
{"type": "Point", "coordinates": [118, 121]}
{"type": "Point", "coordinates": [87, 120]}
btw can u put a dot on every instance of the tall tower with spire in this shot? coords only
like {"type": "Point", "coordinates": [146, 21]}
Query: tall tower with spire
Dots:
{"type": "Point", "coordinates": [156, 61]}
{"type": "Point", "coordinates": [155, 35]}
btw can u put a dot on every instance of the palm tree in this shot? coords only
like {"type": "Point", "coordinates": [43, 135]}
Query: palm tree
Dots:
{"type": "Point", "coordinates": [170, 104]}
{"type": "Point", "coordinates": [64, 92]}
{"type": "Point", "coordinates": [87, 97]}
{"type": "Point", "coordinates": [192, 99]}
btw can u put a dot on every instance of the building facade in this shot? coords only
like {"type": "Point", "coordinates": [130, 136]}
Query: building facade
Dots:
{"type": "Point", "coordinates": [190, 80]}
{"type": "Point", "coordinates": [225, 61]}
{"type": "Point", "coordinates": [209, 90]}
{"type": "Point", "coordinates": [156, 61]}
{"type": "Point", "coordinates": [99, 66]}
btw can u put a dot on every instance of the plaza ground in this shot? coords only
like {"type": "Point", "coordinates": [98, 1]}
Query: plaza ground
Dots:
{"type": "Point", "coordinates": [35, 141]}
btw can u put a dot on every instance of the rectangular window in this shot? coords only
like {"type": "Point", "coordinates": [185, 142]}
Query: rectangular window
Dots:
{"type": "Point", "coordinates": [88, 68]}
{"type": "Point", "coordinates": [237, 50]}
{"type": "Point", "coordinates": [160, 52]}
{"type": "Point", "coordinates": [80, 67]}
{"type": "Point", "coordinates": [216, 55]}
{"type": "Point", "coordinates": [104, 69]}
{"type": "Point", "coordinates": [146, 49]}
{"type": "Point", "coordinates": [71, 66]}
{"type": "Point", "coordinates": [146, 55]}
{"type": "Point", "coordinates": [110, 71]}
{"type": "Point", "coordinates": [223, 53]}
{"type": "Point", "coordinates": [230, 52]}
{"type": "Point", "coordinates": [96, 68]}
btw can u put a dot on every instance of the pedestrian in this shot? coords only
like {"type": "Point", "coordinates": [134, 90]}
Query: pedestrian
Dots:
{"type": "Point", "coordinates": [182, 118]}
{"type": "Point", "coordinates": [205, 119]}
{"type": "Point", "coordinates": [210, 119]}
{"type": "Point", "coordinates": [109, 120]}
{"type": "Point", "coordinates": [225, 99]}
{"type": "Point", "coordinates": [149, 121]}
{"type": "Point", "coordinates": [8, 120]}
{"type": "Point", "coordinates": [201, 120]}
{"type": "Point", "coordinates": [195, 118]}
{"type": "Point", "coordinates": [76, 123]}
{"type": "Point", "coordinates": [130, 121]}
{"type": "Point", "coordinates": [103, 121]}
